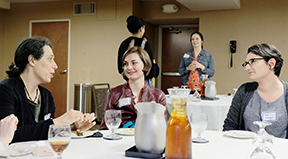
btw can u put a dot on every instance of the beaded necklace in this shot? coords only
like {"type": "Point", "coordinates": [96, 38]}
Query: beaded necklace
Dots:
{"type": "Point", "coordinates": [29, 94]}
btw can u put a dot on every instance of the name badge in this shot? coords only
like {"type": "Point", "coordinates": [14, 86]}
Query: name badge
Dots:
{"type": "Point", "coordinates": [269, 116]}
{"type": "Point", "coordinates": [47, 116]}
{"type": "Point", "coordinates": [124, 101]}
{"type": "Point", "coordinates": [186, 56]}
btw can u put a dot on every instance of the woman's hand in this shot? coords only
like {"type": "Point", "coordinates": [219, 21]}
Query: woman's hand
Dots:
{"type": "Point", "coordinates": [194, 65]}
{"type": "Point", "coordinates": [69, 117]}
{"type": "Point", "coordinates": [8, 125]}
{"type": "Point", "coordinates": [87, 123]}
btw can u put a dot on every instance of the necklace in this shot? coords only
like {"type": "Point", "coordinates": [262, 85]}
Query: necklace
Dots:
{"type": "Point", "coordinates": [30, 96]}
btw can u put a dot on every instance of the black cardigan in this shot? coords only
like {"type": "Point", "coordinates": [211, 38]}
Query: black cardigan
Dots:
{"type": "Point", "coordinates": [13, 100]}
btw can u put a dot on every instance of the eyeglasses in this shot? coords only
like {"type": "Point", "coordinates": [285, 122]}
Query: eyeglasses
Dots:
{"type": "Point", "coordinates": [250, 62]}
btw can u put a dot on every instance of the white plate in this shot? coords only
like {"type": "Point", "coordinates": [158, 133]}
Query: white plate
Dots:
{"type": "Point", "coordinates": [240, 134]}
{"type": "Point", "coordinates": [125, 131]}
{"type": "Point", "coordinates": [85, 134]}
{"type": "Point", "coordinates": [4, 154]}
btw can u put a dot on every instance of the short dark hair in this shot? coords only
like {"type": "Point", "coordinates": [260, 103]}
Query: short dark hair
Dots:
{"type": "Point", "coordinates": [144, 56]}
{"type": "Point", "coordinates": [30, 46]}
{"type": "Point", "coordinates": [268, 51]}
{"type": "Point", "coordinates": [134, 23]}
{"type": "Point", "coordinates": [197, 32]}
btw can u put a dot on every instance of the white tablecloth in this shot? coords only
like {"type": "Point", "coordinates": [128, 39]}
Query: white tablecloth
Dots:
{"type": "Point", "coordinates": [218, 147]}
{"type": "Point", "coordinates": [215, 109]}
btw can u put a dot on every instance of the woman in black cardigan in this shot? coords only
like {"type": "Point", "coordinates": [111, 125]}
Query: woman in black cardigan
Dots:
{"type": "Point", "coordinates": [22, 95]}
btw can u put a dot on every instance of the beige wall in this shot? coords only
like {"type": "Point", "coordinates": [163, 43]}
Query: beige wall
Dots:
{"type": "Point", "coordinates": [257, 21]}
{"type": "Point", "coordinates": [94, 43]}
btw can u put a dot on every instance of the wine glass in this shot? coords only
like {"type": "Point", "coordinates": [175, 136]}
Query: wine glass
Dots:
{"type": "Point", "coordinates": [113, 120]}
{"type": "Point", "coordinates": [199, 123]}
{"type": "Point", "coordinates": [196, 97]}
{"type": "Point", "coordinates": [262, 151]}
{"type": "Point", "coordinates": [59, 137]}
{"type": "Point", "coordinates": [183, 87]}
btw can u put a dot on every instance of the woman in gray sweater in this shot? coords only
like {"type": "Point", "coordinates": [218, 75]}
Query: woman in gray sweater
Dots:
{"type": "Point", "coordinates": [264, 99]}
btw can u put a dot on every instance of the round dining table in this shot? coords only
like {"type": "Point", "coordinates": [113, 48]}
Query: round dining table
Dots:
{"type": "Point", "coordinates": [219, 146]}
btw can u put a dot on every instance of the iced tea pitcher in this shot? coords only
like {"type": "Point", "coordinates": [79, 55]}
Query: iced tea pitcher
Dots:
{"type": "Point", "coordinates": [204, 79]}
{"type": "Point", "coordinates": [178, 133]}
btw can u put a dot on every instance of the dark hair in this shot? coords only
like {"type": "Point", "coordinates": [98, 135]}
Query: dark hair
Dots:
{"type": "Point", "coordinates": [134, 24]}
{"type": "Point", "coordinates": [197, 32]}
{"type": "Point", "coordinates": [268, 51]}
{"type": "Point", "coordinates": [31, 46]}
{"type": "Point", "coordinates": [144, 56]}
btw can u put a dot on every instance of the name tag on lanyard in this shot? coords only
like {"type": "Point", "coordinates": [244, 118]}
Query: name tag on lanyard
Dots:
{"type": "Point", "coordinates": [269, 116]}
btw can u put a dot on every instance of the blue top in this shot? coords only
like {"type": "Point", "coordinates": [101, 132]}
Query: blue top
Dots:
{"type": "Point", "coordinates": [205, 58]}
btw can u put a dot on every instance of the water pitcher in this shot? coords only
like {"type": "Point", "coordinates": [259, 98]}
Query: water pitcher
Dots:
{"type": "Point", "coordinates": [210, 90]}
{"type": "Point", "coordinates": [150, 127]}
{"type": "Point", "coordinates": [178, 134]}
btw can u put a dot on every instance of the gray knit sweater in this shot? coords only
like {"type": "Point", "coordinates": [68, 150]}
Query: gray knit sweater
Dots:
{"type": "Point", "coordinates": [234, 119]}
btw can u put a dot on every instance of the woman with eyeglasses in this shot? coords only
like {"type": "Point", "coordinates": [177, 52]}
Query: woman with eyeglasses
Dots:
{"type": "Point", "coordinates": [264, 99]}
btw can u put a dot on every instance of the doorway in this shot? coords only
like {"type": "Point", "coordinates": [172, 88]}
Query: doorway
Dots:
{"type": "Point", "coordinates": [175, 42]}
{"type": "Point", "coordinates": [58, 32]}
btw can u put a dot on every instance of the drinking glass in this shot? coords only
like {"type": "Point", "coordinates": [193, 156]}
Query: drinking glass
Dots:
{"type": "Point", "coordinates": [183, 87]}
{"type": "Point", "coordinates": [113, 120]}
{"type": "Point", "coordinates": [23, 150]}
{"type": "Point", "coordinates": [59, 137]}
{"type": "Point", "coordinates": [199, 123]}
{"type": "Point", "coordinates": [196, 93]}
{"type": "Point", "coordinates": [262, 151]}
{"type": "Point", "coordinates": [196, 97]}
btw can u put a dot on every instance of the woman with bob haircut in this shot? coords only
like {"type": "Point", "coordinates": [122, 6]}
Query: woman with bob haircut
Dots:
{"type": "Point", "coordinates": [264, 99]}
{"type": "Point", "coordinates": [136, 65]}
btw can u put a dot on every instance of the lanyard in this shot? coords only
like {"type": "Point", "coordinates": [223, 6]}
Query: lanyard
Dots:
{"type": "Point", "coordinates": [140, 93]}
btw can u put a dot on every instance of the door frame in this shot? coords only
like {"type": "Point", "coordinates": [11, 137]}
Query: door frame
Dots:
{"type": "Point", "coordinates": [68, 53]}
{"type": "Point", "coordinates": [159, 61]}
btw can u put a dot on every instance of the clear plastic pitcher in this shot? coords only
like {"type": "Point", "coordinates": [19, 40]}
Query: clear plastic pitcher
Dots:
{"type": "Point", "coordinates": [178, 133]}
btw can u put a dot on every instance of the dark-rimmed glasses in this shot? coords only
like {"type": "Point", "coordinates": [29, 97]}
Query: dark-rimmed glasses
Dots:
{"type": "Point", "coordinates": [251, 61]}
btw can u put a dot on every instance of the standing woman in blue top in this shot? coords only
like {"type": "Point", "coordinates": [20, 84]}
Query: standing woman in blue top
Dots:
{"type": "Point", "coordinates": [196, 62]}
{"type": "Point", "coordinates": [136, 27]}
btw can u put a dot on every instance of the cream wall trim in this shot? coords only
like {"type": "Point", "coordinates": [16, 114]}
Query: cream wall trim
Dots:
{"type": "Point", "coordinates": [4, 5]}
{"type": "Point", "coordinates": [69, 36]}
